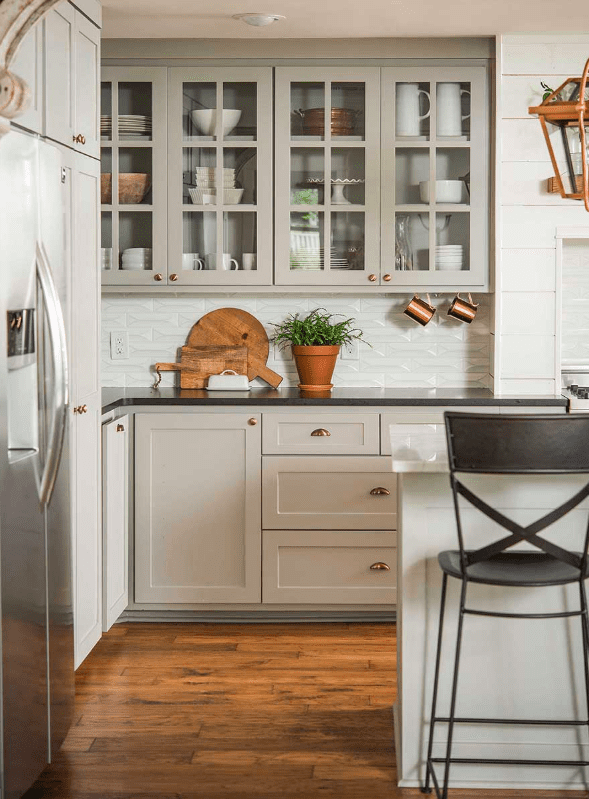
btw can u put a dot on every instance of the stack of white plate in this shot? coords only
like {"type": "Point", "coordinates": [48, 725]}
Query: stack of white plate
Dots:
{"type": "Point", "coordinates": [449, 257]}
{"type": "Point", "coordinates": [311, 258]}
{"type": "Point", "coordinates": [206, 177]}
{"type": "Point", "coordinates": [105, 126]}
{"type": "Point", "coordinates": [136, 258]}
{"type": "Point", "coordinates": [134, 126]}
{"type": "Point", "coordinates": [106, 257]}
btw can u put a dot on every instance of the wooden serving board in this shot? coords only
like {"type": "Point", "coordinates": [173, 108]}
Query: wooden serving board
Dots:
{"type": "Point", "coordinates": [197, 364]}
{"type": "Point", "coordinates": [232, 327]}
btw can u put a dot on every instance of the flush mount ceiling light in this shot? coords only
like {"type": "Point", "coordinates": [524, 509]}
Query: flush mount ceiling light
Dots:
{"type": "Point", "coordinates": [567, 109]}
{"type": "Point", "coordinates": [258, 20]}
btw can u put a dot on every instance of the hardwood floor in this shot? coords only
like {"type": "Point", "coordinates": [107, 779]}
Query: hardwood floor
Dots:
{"type": "Point", "coordinates": [194, 711]}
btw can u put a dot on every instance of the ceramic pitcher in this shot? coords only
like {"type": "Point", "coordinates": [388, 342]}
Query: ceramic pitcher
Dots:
{"type": "Point", "coordinates": [407, 116]}
{"type": "Point", "coordinates": [449, 116]}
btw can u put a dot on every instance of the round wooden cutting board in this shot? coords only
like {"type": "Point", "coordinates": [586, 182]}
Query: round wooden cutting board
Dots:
{"type": "Point", "coordinates": [232, 327]}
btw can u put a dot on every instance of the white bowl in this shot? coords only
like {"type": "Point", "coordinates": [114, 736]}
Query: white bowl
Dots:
{"type": "Point", "coordinates": [232, 196]}
{"type": "Point", "coordinates": [205, 120]}
{"type": "Point", "coordinates": [447, 191]}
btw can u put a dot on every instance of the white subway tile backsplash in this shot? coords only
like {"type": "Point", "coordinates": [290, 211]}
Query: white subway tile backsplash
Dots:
{"type": "Point", "coordinates": [446, 352]}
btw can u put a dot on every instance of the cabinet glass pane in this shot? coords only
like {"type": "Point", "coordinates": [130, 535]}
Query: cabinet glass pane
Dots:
{"type": "Point", "coordinates": [135, 111]}
{"type": "Point", "coordinates": [240, 111]}
{"type": "Point", "coordinates": [199, 116]}
{"type": "Point", "coordinates": [453, 111]}
{"type": "Point", "coordinates": [239, 241]}
{"type": "Point", "coordinates": [411, 173]}
{"type": "Point", "coordinates": [307, 106]}
{"type": "Point", "coordinates": [135, 171]}
{"type": "Point", "coordinates": [452, 242]}
{"type": "Point", "coordinates": [412, 111]}
{"type": "Point", "coordinates": [199, 240]}
{"type": "Point", "coordinates": [348, 101]}
{"type": "Point", "coordinates": [347, 176]}
{"type": "Point", "coordinates": [135, 240]}
{"type": "Point", "coordinates": [307, 240]}
{"type": "Point", "coordinates": [411, 242]}
{"type": "Point", "coordinates": [106, 240]}
{"type": "Point", "coordinates": [452, 175]}
{"type": "Point", "coordinates": [240, 182]}
{"type": "Point", "coordinates": [199, 178]}
{"type": "Point", "coordinates": [105, 111]}
{"type": "Point", "coordinates": [307, 176]}
{"type": "Point", "coordinates": [347, 240]}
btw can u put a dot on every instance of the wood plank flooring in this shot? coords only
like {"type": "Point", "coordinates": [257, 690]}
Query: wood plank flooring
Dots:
{"type": "Point", "coordinates": [194, 711]}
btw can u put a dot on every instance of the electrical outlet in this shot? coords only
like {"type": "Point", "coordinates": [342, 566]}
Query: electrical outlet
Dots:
{"type": "Point", "coordinates": [350, 352]}
{"type": "Point", "coordinates": [119, 345]}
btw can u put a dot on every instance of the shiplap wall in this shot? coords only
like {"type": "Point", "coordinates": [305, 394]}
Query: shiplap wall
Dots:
{"type": "Point", "coordinates": [526, 314]}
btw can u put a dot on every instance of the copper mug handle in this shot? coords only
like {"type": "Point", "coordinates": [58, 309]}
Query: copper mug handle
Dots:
{"type": "Point", "coordinates": [463, 310]}
{"type": "Point", "coordinates": [419, 310]}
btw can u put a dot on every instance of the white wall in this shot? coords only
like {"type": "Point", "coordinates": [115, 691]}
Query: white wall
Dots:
{"type": "Point", "coordinates": [445, 353]}
{"type": "Point", "coordinates": [525, 346]}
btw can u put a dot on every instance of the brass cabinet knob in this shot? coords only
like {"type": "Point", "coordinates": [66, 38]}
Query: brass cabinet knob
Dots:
{"type": "Point", "coordinates": [380, 567]}
{"type": "Point", "coordinates": [158, 277]}
{"type": "Point", "coordinates": [120, 428]}
{"type": "Point", "coordinates": [174, 277]}
{"type": "Point", "coordinates": [252, 421]}
{"type": "Point", "coordinates": [372, 278]}
{"type": "Point", "coordinates": [321, 431]}
{"type": "Point", "coordinates": [380, 491]}
{"type": "Point", "coordinates": [387, 278]}
{"type": "Point", "coordinates": [79, 139]}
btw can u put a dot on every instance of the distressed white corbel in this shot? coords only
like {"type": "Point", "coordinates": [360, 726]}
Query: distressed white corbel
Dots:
{"type": "Point", "coordinates": [17, 17]}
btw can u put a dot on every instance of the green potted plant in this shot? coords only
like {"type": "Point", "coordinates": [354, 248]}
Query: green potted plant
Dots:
{"type": "Point", "coordinates": [316, 342]}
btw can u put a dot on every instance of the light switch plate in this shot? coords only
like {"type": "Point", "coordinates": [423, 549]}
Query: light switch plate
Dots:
{"type": "Point", "coordinates": [119, 345]}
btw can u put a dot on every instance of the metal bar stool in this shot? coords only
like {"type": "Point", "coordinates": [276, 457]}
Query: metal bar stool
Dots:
{"type": "Point", "coordinates": [488, 444]}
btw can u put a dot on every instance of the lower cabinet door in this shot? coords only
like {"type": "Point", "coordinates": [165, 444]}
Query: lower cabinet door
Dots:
{"type": "Point", "coordinates": [197, 508]}
{"type": "Point", "coordinates": [329, 567]}
{"type": "Point", "coordinates": [115, 516]}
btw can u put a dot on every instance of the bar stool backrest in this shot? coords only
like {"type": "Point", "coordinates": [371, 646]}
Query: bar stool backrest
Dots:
{"type": "Point", "coordinates": [517, 444]}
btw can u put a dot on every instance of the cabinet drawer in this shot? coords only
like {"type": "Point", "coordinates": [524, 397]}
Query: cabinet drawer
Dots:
{"type": "Point", "coordinates": [329, 493]}
{"type": "Point", "coordinates": [430, 418]}
{"type": "Point", "coordinates": [329, 567]}
{"type": "Point", "coordinates": [319, 433]}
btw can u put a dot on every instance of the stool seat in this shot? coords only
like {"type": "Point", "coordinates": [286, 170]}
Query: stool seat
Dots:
{"type": "Point", "coordinates": [512, 568]}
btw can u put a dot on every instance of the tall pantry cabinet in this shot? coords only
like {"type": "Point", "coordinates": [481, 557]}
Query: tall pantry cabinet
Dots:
{"type": "Point", "coordinates": [60, 59]}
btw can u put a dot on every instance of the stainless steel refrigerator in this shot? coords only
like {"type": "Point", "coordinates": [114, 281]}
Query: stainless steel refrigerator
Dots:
{"type": "Point", "coordinates": [35, 528]}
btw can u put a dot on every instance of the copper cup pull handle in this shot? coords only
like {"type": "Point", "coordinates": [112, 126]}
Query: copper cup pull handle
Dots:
{"type": "Point", "coordinates": [380, 491]}
{"type": "Point", "coordinates": [380, 567]}
{"type": "Point", "coordinates": [321, 431]}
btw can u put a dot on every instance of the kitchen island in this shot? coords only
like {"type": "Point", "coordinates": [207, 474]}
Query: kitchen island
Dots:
{"type": "Point", "coordinates": [510, 668]}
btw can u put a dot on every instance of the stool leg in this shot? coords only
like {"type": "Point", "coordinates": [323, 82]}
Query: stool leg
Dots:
{"type": "Point", "coordinates": [426, 787]}
{"type": "Point", "coordinates": [585, 628]}
{"type": "Point", "coordinates": [454, 691]}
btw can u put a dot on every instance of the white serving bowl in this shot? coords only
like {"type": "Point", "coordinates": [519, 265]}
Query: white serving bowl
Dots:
{"type": "Point", "coordinates": [447, 191]}
{"type": "Point", "coordinates": [232, 196]}
{"type": "Point", "coordinates": [205, 120]}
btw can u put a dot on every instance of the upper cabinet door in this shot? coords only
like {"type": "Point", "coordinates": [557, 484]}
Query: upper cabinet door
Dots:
{"type": "Point", "coordinates": [220, 176]}
{"type": "Point", "coordinates": [435, 176]}
{"type": "Point", "coordinates": [327, 176]}
{"type": "Point", "coordinates": [87, 66]}
{"type": "Point", "coordinates": [59, 74]}
{"type": "Point", "coordinates": [134, 176]}
{"type": "Point", "coordinates": [28, 64]}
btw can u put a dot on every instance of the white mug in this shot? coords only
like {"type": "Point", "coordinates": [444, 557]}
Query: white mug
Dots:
{"type": "Point", "coordinates": [190, 260]}
{"type": "Point", "coordinates": [227, 263]}
{"type": "Point", "coordinates": [449, 116]}
{"type": "Point", "coordinates": [248, 260]}
{"type": "Point", "coordinates": [407, 116]}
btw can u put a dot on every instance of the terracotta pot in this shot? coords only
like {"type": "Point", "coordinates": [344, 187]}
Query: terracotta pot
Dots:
{"type": "Point", "coordinates": [315, 366]}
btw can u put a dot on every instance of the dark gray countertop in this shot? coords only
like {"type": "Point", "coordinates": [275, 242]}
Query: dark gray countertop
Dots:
{"type": "Point", "coordinates": [290, 397]}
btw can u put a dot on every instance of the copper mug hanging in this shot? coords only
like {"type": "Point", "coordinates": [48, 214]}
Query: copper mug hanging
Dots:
{"type": "Point", "coordinates": [420, 310]}
{"type": "Point", "coordinates": [463, 310]}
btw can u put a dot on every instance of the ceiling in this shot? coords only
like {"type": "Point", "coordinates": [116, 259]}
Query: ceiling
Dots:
{"type": "Point", "coordinates": [334, 19]}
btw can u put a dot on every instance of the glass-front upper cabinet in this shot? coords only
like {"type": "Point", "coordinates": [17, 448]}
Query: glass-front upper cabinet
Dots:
{"type": "Point", "coordinates": [327, 176]}
{"type": "Point", "coordinates": [435, 176]}
{"type": "Point", "coordinates": [220, 176]}
{"type": "Point", "coordinates": [133, 182]}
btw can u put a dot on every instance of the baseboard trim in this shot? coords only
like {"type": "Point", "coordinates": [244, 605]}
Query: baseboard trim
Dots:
{"type": "Point", "coordinates": [258, 617]}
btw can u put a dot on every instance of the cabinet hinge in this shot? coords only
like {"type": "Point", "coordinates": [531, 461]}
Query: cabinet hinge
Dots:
{"type": "Point", "coordinates": [63, 179]}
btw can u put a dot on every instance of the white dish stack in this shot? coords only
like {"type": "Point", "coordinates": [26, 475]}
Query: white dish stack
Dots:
{"type": "Point", "coordinates": [207, 185]}
{"type": "Point", "coordinates": [134, 126]}
{"type": "Point", "coordinates": [449, 257]}
{"type": "Point", "coordinates": [105, 126]}
{"type": "Point", "coordinates": [136, 258]}
{"type": "Point", "coordinates": [106, 257]}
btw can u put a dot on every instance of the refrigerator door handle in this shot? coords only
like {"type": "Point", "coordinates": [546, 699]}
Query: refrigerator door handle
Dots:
{"type": "Point", "coordinates": [58, 411]}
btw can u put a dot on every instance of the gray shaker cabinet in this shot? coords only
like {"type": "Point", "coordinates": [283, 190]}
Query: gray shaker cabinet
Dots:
{"type": "Point", "coordinates": [197, 508]}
